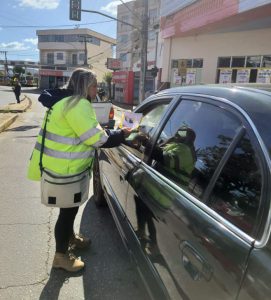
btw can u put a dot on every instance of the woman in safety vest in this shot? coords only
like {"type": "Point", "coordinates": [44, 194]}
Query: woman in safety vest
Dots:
{"type": "Point", "coordinates": [72, 135]}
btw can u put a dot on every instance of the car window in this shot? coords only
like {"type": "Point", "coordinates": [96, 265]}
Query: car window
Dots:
{"type": "Point", "coordinates": [192, 144]}
{"type": "Point", "coordinates": [151, 117]}
{"type": "Point", "coordinates": [237, 192]}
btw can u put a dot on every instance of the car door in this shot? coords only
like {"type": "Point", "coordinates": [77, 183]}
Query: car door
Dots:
{"type": "Point", "coordinates": [198, 251]}
{"type": "Point", "coordinates": [116, 163]}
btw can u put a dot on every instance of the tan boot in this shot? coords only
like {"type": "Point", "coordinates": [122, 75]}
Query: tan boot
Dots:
{"type": "Point", "coordinates": [67, 262]}
{"type": "Point", "coordinates": [80, 242]}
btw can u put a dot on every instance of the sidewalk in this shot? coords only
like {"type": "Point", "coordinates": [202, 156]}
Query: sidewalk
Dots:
{"type": "Point", "coordinates": [9, 113]}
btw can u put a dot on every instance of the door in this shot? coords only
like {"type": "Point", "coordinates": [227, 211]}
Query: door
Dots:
{"type": "Point", "coordinates": [195, 222]}
{"type": "Point", "coordinates": [117, 163]}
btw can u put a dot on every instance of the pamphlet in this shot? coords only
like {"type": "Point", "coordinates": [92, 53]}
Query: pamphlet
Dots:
{"type": "Point", "coordinates": [130, 120]}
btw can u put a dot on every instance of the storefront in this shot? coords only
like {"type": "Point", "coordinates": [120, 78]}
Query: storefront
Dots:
{"type": "Point", "coordinates": [244, 69]}
{"type": "Point", "coordinates": [124, 86]}
{"type": "Point", "coordinates": [214, 42]}
{"type": "Point", "coordinates": [53, 78]}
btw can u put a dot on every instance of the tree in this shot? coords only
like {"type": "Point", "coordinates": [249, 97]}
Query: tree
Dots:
{"type": "Point", "coordinates": [18, 70]}
{"type": "Point", "coordinates": [108, 79]}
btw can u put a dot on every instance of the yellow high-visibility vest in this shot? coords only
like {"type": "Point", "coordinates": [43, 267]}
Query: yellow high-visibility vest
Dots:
{"type": "Point", "coordinates": [70, 140]}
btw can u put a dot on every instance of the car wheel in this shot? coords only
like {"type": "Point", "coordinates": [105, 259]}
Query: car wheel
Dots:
{"type": "Point", "coordinates": [99, 198]}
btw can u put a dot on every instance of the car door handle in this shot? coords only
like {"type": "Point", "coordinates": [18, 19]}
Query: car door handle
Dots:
{"type": "Point", "coordinates": [197, 267]}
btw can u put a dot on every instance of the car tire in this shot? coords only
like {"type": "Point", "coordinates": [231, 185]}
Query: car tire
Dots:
{"type": "Point", "coordinates": [98, 193]}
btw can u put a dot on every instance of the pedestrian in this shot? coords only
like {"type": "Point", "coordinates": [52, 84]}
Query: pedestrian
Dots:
{"type": "Point", "coordinates": [17, 90]}
{"type": "Point", "coordinates": [72, 128]}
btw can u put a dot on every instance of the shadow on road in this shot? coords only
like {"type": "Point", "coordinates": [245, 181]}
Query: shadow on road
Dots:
{"type": "Point", "coordinates": [109, 273]}
{"type": "Point", "coordinates": [22, 128]}
{"type": "Point", "coordinates": [54, 284]}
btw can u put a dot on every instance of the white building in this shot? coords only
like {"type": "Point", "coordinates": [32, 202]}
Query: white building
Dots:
{"type": "Point", "coordinates": [214, 41]}
{"type": "Point", "coordinates": [63, 50]}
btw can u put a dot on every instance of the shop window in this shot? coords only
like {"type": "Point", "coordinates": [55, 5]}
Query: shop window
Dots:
{"type": "Point", "coordinates": [266, 61]}
{"type": "Point", "coordinates": [189, 63]}
{"type": "Point", "coordinates": [224, 62]}
{"type": "Point", "coordinates": [238, 61]}
{"type": "Point", "coordinates": [197, 63]}
{"type": "Point", "coordinates": [253, 62]}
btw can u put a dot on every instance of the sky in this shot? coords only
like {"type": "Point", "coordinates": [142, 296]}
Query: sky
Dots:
{"type": "Point", "coordinates": [19, 20]}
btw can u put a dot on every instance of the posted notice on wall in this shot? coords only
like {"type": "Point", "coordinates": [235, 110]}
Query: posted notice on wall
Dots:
{"type": "Point", "coordinates": [130, 120]}
{"type": "Point", "coordinates": [190, 76]}
{"type": "Point", "coordinates": [242, 76]}
{"type": "Point", "coordinates": [225, 75]}
{"type": "Point", "coordinates": [264, 76]}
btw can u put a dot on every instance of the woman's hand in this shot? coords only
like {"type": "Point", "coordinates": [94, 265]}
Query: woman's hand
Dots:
{"type": "Point", "coordinates": [126, 131]}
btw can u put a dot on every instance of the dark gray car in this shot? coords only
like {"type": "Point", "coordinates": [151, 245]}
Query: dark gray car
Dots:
{"type": "Point", "coordinates": [190, 193]}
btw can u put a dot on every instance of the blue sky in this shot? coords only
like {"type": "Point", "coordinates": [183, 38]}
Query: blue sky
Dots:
{"type": "Point", "coordinates": [30, 15]}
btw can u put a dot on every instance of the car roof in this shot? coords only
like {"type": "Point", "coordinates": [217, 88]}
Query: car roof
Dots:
{"type": "Point", "coordinates": [250, 98]}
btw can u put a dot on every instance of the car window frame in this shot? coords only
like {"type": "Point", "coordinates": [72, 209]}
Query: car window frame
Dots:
{"type": "Point", "coordinates": [262, 217]}
{"type": "Point", "coordinates": [152, 102]}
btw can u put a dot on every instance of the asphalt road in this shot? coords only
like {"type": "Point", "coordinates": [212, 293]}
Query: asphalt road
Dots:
{"type": "Point", "coordinates": [26, 231]}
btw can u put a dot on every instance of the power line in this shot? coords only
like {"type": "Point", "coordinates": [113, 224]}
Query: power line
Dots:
{"type": "Point", "coordinates": [51, 26]}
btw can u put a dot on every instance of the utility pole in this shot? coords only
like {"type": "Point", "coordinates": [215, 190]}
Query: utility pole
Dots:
{"type": "Point", "coordinates": [86, 51]}
{"type": "Point", "coordinates": [144, 50]}
{"type": "Point", "coordinates": [6, 62]}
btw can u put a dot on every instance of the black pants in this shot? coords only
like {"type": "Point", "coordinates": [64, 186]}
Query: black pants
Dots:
{"type": "Point", "coordinates": [64, 228]}
{"type": "Point", "coordinates": [17, 97]}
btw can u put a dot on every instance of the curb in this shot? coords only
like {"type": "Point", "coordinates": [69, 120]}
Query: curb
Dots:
{"type": "Point", "coordinates": [18, 110]}
{"type": "Point", "coordinates": [8, 122]}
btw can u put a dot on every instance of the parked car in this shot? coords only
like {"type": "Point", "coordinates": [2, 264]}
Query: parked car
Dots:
{"type": "Point", "coordinates": [190, 193]}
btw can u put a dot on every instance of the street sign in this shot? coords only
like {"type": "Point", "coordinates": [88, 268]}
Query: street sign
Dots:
{"type": "Point", "coordinates": [113, 64]}
{"type": "Point", "coordinates": [75, 10]}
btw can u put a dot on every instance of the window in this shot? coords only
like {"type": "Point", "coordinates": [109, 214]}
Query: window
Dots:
{"type": "Point", "coordinates": [82, 56]}
{"type": "Point", "coordinates": [123, 38]}
{"type": "Point", "coordinates": [50, 58]}
{"type": "Point", "coordinates": [197, 63]}
{"type": "Point", "coordinates": [238, 62]}
{"type": "Point", "coordinates": [151, 35]}
{"type": "Point", "coordinates": [224, 62]}
{"type": "Point", "coordinates": [59, 56]}
{"type": "Point", "coordinates": [266, 61]}
{"type": "Point", "coordinates": [123, 56]}
{"type": "Point", "coordinates": [59, 38]}
{"type": "Point", "coordinates": [151, 117]}
{"type": "Point", "coordinates": [192, 144]}
{"type": "Point", "coordinates": [237, 192]}
{"type": "Point", "coordinates": [253, 62]}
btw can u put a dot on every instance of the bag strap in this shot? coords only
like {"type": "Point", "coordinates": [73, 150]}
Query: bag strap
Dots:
{"type": "Point", "coordinates": [43, 140]}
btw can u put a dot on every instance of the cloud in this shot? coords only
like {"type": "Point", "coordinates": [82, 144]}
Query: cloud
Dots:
{"type": "Point", "coordinates": [111, 7]}
{"type": "Point", "coordinates": [32, 41]}
{"type": "Point", "coordinates": [14, 46]}
{"type": "Point", "coordinates": [39, 4]}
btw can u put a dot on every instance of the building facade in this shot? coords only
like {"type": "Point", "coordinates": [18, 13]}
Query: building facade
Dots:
{"type": "Point", "coordinates": [215, 41]}
{"type": "Point", "coordinates": [129, 47]}
{"type": "Point", "coordinates": [63, 50]}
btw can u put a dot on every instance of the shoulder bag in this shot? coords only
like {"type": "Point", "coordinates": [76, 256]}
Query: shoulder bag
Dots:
{"type": "Point", "coordinates": [62, 190]}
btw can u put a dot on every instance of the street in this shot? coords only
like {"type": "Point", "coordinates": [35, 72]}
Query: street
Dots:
{"type": "Point", "coordinates": [27, 231]}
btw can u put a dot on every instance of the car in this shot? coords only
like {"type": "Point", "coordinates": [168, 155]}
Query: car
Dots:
{"type": "Point", "coordinates": [190, 192]}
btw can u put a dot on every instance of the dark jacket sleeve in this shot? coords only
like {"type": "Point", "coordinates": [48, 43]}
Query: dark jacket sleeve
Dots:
{"type": "Point", "coordinates": [115, 138]}
{"type": "Point", "coordinates": [50, 97]}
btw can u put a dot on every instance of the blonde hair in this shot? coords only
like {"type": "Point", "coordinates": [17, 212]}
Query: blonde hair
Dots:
{"type": "Point", "coordinates": [79, 82]}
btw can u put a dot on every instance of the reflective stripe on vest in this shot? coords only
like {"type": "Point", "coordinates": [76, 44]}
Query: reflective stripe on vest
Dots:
{"type": "Point", "coordinates": [65, 155]}
{"type": "Point", "coordinates": [75, 141]}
